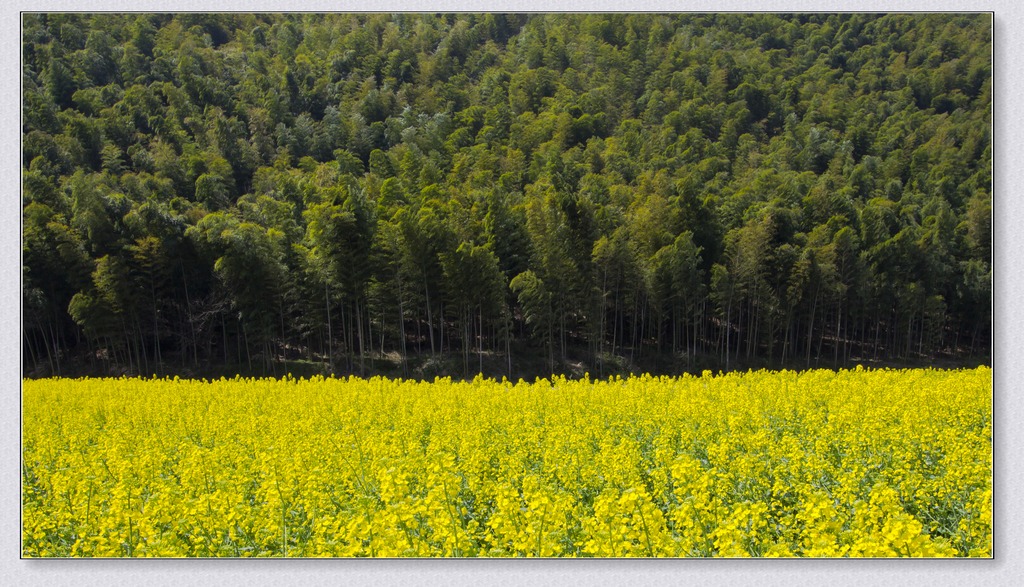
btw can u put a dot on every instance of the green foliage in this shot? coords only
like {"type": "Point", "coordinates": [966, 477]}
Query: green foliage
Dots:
{"type": "Point", "coordinates": [756, 188]}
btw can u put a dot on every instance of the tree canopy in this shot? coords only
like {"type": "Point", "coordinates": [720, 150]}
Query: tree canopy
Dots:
{"type": "Point", "coordinates": [417, 194]}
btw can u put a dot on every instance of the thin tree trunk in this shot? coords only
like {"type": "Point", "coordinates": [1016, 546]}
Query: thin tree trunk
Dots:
{"type": "Point", "coordinates": [464, 321]}
{"type": "Point", "coordinates": [920, 338]}
{"type": "Point", "coordinates": [728, 328]}
{"type": "Point", "coordinates": [810, 328]}
{"type": "Point", "coordinates": [401, 328]}
{"type": "Point", "coordinates": [839, 325]}
{"type": "Point", "coordinates": [825, 329]}
{"type": "Point", "coordinates": [359, 326]}
{"type": "Point", "coordinates": [191, 321]}
{"type": "Point", "coordinates": [974, 338]}
{"type": "Point", "coordinates": [551, 343]}
{"type": "Point", "coordinates": [430, 318]}
{"type": "Point", "coordinates": [910, 334]}
{"type": "Point", "coordinates": [55, 338]}
{"type": "Point", "coordinates": [140, 343]}
{"type": "Point", "coordinates": [330, 334]}
{"type": "Point", "coordinates": [632, 334]}
{"type": "Point", "coordinates": [111, 353]}
{"type": "Point", "coordinates": [156, 330]}
{"type": "Point", "coordinates": [785, 339]}
{"type": "Point", "coordinates": [692, 354]}
{"type": "Point", "coordinates": [383, 330]}
{"type": "Point", "coordinates": [561, 331]}
{"type": "Point", "coordinates": [346, 332]}
{"type": "Point", "coordinates": [46, 346]}
{"type": "Point", "coordinates": [615, 321]}
{"type": "Point", "coordinates": [284, 332]}
{"type": "Point", "coordinates": [224, 337]}
{"type": "Point", "coordinates": [238, 341]}
{"type": "Point", "coordinates": [874, 351]}
{"type": "Point", "coordinates": [419, 333]}
{"type": "Point", "coordinates": [245, 337]}
{"type": "Point", "coordinates": [369, 334]}
{"type": "Point", "coordinates": [31, 351]}
{"type": "Point", "coordinates": [129, 349]}
{"type": "Point", "coordinates": [604, 319]}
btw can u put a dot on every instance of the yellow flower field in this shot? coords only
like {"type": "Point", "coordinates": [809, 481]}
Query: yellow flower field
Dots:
{"type": "Point", "coordinates": [875, 463]}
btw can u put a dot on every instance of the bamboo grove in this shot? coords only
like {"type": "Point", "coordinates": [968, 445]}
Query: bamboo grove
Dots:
{"type": "Point", "coordinates": [450, 194]}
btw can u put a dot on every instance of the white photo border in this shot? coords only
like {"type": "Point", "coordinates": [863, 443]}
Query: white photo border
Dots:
{"type": "Point", "coordinates": [1008, 408]}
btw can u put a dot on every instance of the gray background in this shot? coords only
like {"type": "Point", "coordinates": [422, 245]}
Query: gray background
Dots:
{"type": "Point", "coordinates": [1006, 568]}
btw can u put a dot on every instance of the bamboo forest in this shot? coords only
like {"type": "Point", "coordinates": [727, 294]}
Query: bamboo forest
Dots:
{"type": "Point", "coordinates": [423, 195]}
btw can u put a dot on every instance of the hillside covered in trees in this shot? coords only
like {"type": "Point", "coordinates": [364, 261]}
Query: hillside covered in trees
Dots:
{"type": "Point", "coordinates": [420, 194]}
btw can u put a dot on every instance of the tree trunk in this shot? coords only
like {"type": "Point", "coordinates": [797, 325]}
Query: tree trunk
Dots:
{"type": "Point", "coordinates": [839, 325]}
{"type": "Point", "coordinates": [430, 318]}
{"type": "Point", "coordinates": [728, 328]}
{"type": "Point", "coordinates": [508, 346]}
{"type": "Point", "coordinates": [604, 319]}
{"type": "Point", "coordinates": [561, 331]}
{"type": "Point", "coordinates": [129, 348]}
{"type": "Point", "coordinates": [245, 337]}
{"type": "Point", "coordinates": [156, 330]}
{"type": "Point", "coordinates": [785, 338]}
{"type": "Point", "coordinates": [224, 337]}
{"type": "Point", "coordinates": [466, 328]}
{"type": "Point", "coordinates": [330, 334]}
{"type": "Point", "coordinates": [401, 329]}
{"type": "Point", "coordinates": [359, 326]}
{"type": "Point", "coordinates": [440, 329]}
{"type": "Point", "coordinates": [874, 351]}
{"type": "Point", "coordinates": [346, 336]}
{"type": "Point", "coordinates": [419, 333]}
{"type": "Point", "coordinates": [615, 319]}
{"type": "Point", "coordinates": [191, 321]}
{"type": "Point", "coordinates": [27, 343]}
{"type": "Point", "coordinates": [810, 328]}
{"type": "Point", "coordinates": [46, 346]}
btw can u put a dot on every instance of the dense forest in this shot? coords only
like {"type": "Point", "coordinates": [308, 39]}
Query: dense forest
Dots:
{"type": "Point", "coordinates": [421, 195]}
